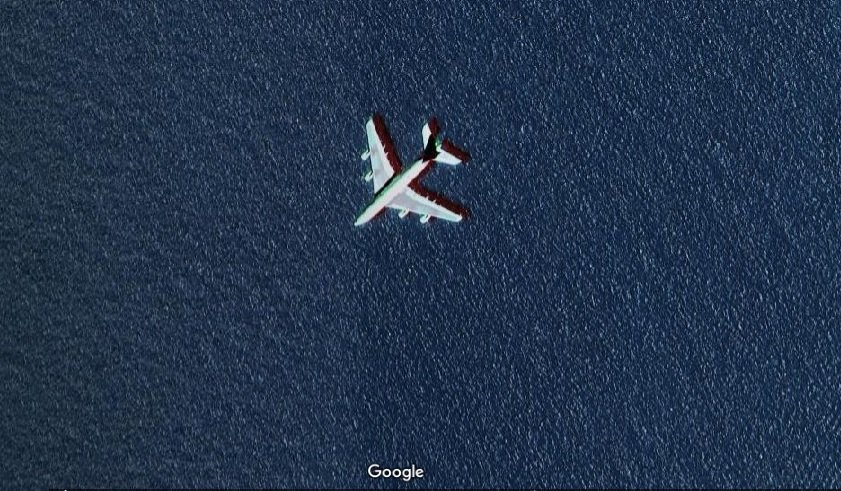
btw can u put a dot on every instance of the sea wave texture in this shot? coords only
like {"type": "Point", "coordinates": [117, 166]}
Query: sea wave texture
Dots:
{"type": "Point", "coordinates": [646, 292]}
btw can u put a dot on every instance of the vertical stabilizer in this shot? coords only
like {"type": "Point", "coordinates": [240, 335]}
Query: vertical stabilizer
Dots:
{"type": "Point", "coordinates": [430, 131]}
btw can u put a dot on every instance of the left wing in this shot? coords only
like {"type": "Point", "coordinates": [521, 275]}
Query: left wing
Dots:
{"type": "Point", "coordinates": [409, 200]}
{"type": "Point", "coordinates": [384, 160]}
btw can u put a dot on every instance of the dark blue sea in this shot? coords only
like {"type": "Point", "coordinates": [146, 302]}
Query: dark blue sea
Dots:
{"type": "Point", "coordinates": [646, 293]}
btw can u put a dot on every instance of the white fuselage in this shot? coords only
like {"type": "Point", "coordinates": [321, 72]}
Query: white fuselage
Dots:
{"type": "Point", "coordinates": [391, 190]}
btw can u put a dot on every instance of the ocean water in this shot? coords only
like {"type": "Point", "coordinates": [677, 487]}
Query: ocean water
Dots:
{"type": "Point", "coordinates": [646, 292]}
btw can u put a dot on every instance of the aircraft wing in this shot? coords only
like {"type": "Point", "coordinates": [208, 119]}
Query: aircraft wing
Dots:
{"type": "Point", "coordinates": [384, 160]}
{"type": "Point", "coordinates": [414, 202]}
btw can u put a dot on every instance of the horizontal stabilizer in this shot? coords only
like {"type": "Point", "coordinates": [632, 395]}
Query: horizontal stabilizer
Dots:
{"type": "Point", "coordinates": [450, 154]}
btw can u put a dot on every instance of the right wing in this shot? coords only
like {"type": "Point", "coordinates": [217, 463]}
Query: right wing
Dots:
{"type": "Point", "coordinates": [384, 159]}
{"type": "Point", "coordinates": [412, 201]}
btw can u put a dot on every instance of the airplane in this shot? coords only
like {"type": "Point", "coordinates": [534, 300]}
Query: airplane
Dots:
{"type": "Point", "coordinates": [399, 190]}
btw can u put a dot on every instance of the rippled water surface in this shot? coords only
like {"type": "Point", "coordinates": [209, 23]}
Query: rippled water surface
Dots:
{"type": "Point", "coordinates": [646, 292]}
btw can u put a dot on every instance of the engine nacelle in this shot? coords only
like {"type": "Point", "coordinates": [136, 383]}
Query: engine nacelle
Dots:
{"type": "Point", "coordinates": [403, 213]}
{"type": "Point", "coordinates": [365, 155]}
{"type": "Point", "coordinates": [369, 176]}
{"type": "Point", "coordinates": [424, 218]}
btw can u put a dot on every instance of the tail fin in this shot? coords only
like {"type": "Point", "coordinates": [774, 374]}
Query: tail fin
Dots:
{"type": "Point", "coordinates": [444, 150]}
{"type": "Point", "coordinates": [450, 154]}
{"type": "Point", "coordinates": [430, 131]}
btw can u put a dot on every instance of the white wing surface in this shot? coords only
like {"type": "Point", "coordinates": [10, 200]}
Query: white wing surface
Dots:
{"type": "Point", "coordinates": [412, 201]}
{"type": "Point", "coordinates": [384, 159]}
